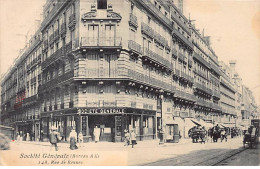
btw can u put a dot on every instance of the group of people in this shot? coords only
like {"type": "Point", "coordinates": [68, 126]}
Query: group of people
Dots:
{"type": "Point", "coordinates": [55, 137]}
{"type": "Point", "coordinates": [23, 137]}
{"type": "Point", "coordinates": [130, 138]}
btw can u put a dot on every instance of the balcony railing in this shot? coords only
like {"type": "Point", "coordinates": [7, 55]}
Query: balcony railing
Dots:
{"type": "Point", "coordinates": [133, 20]}
{"type": "Point", "coordinates": [56, 9]}
{"type": "Point", "coordinates": [157, 13]}
{"type": "Point", "coordinates": [215, 68]}
{"type": "Point", "coordinates": [135, 47]}
{"type": "Point", "coordinates": [56, 81]}
{"type": "Point", "coordinates": [157, 58]}
{"type": "Point", "coordinates": [203, 88]}
{"type": "Point", "coordinates": [148, 80]}
{"type": "Point", "coordinates": [160, 39]}
{"type": "Point", "coordinates": [200, 59]}
{"type": "Point", "coordinates": [56, 56]}
{"type": "Point", "coordinates": [145, 29]}
{"type": "Point", "coordinates": [180, 36]}
{"type": "Point", "coordinates": [97, 42]}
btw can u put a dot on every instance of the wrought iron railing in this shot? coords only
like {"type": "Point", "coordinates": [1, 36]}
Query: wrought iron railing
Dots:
{"type": "Point", "coordinates": [101, 41]}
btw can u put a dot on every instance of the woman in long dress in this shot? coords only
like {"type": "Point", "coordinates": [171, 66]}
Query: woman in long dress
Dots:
{"type": "Point", "coordinates": [96, 134]}
{"type": "Point", "coordinates": [73, 140]}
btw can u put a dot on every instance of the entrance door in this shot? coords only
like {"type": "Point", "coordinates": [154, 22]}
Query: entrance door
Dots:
{"type": "Point", "coordinates": [106, 125]}
{"type": "Point", "coordinates": [176, 135]}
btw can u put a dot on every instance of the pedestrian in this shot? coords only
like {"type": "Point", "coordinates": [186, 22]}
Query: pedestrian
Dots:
{"type": "Point", "coordinates": [73, 139]}
{"type": "Point", "coordinates": [54, 137]}
{"type": "Point", "coordinates": [96, 134]}
{"type": "Point", "coordinates": [18, 137]}
{"type": "Point", "coordinates": [133, 138]}
{"type": "Point", "coordinates": [27, 137]}
{"type": "Point", "coordinates": [80, 137]}
{"type": "Point", "coordinates": [127, 138]}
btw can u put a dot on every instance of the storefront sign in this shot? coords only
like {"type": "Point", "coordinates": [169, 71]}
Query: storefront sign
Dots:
{"type": "Point", "coordinates": [101, 111]}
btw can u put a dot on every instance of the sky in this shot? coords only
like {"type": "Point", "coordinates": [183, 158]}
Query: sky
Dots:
{"type": "Point", "coordinates": [234, 27]}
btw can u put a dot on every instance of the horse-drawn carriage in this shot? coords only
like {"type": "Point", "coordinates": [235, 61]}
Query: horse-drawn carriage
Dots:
{"type": "Point", "coordinates": [198, 134]}
{"type": "Point", "coordinates": [217, 133]}
{"type": "Point", "coordinates": [250, 137]}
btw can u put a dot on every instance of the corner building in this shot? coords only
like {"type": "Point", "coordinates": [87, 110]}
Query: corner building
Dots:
{"type": "Point", "coordinates": [128, 64]}
{"type": "Point", "coordinates": [104, 66]}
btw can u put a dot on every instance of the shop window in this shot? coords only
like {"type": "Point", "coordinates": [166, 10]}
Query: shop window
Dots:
{"type": "Point", "coordinates": [101, 4]}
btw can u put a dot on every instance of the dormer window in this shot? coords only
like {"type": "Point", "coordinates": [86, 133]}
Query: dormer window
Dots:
{"type": "Point", "coordinates": [101, 4]}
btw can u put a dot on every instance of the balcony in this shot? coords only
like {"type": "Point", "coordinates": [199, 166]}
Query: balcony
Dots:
{"type": "Point", "coordinates": [176, 18]}
{"type": "Point", "coordinates": [181, 37]}
{"type": "Point", "coordinates": [52, 83]}
{"type": "Point", "coordinates": [149, 80]}
{"type": "Point", "coordinates": [72, 21]}
{"type": "Point", "coordinates": [200, 59]}
{"type": "Point", "coordinates": [184, 95]}
{"type": "Point", "coordinates": [55, 57]}
{"type": "Point", "coordinates": [216, 107]}
{"type": "Point", "coordinates": [203, 88]}
{"type": "Point", "coordinates": [135, 47]}
{"type": "Point", "coordinates": [133, 21]}
{"type": "Point", "coordinates": [150, 55]}
{"type": "Point", "coordinates": [55, 10]}
{"type": "Point", "coordinates": [215, 68]}
{"type": "Point", "coordinates": [156, 12]}
{"type": "Point", "coordinates": [147, 30]}
{"type": "Point", "coordinates": [160, 39]}
{"type": "Point", "coordinates": [101, 42]}
{"type": "Point", "coordinates": [203, 103]}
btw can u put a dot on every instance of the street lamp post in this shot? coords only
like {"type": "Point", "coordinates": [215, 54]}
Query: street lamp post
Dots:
{"type": "Point", "coordinates": [161, 134]}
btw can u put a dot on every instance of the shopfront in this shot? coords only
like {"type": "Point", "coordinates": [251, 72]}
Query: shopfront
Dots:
{"type": "Point", "coordinates": [110, 123]}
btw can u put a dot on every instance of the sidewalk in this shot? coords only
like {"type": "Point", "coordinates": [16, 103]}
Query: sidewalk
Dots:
{"type": "Point", "coordinates": [143, 144]}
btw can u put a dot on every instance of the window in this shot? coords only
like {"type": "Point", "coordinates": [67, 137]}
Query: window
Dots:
{"type": "Point", "coordinates": [101, 4]}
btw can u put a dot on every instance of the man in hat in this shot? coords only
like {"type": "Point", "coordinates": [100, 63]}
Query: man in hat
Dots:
{"type": "Point", "coordinates": [54, 137]}
{"type": "Point", "coordinates": [133, 138]}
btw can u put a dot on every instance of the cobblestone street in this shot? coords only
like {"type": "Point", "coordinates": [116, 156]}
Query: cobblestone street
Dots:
{"type": "Point", "coordinates": [151, 153]}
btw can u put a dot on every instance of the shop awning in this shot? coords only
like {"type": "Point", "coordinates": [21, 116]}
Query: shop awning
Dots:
{"type": "Point", "coordinates": [202, 123]}
{"type": "Point", "coordinates": [189, 123]}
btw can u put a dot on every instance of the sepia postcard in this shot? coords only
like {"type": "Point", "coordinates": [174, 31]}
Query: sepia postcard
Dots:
{"type": "Point", "coordinates": [129, 82]}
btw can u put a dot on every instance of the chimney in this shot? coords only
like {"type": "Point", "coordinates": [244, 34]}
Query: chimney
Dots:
{"type": "Point", "coordinates": [207, 40]}
{"type": "Point", "coordinates": [232, 64]}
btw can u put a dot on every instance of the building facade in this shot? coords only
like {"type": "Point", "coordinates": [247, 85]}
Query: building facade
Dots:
{"type": "Point", "coordinates": [129, 64]}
